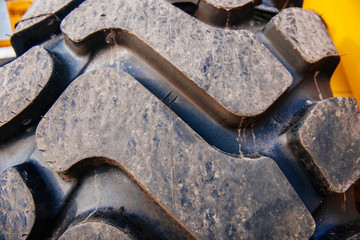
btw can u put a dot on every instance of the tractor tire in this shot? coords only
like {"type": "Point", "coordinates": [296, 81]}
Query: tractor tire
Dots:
{"type": "Point", "coordinates": [175, 120]}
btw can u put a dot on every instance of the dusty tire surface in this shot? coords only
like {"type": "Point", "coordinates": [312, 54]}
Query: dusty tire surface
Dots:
{"type": "Point", "coordinates": [175, 120]}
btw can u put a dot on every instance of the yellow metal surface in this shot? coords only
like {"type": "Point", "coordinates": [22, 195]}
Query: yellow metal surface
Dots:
{"type": "Point", "coordinates": [343, 22]}
{"type": "Point", "coordinates": [16, 9]}
{"type": "Point", "coordinates": [4, 43]}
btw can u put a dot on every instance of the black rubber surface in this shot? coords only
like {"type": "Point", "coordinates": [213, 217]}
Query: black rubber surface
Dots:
{"type": "Point", "coordinates": [156, 123]}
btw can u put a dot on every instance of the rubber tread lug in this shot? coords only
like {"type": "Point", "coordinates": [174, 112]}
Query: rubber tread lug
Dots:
{"type": "Point", "coordinates": [40, 21]}
{"type": "Point", "coordinates": [39, 10]}
{"type": "Point", "coordinates": [327, 141]}
{"type": "Point", "coordinates": [93, 230]}
{"type": "Point", "coordinates": [301, 37]}
{"type": "Point", "coordinates": [233, 67]}
{"type": "Point", "coordinates": [21, 82]}
{"type": "Point", "coordinates": [178, 168]}
{"type": "Point", "coordinates": [224, 13]}
{"type": "Point", "coordinates": [22, 90]}
{"type": "Point", "coordinates": [17, 215]}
